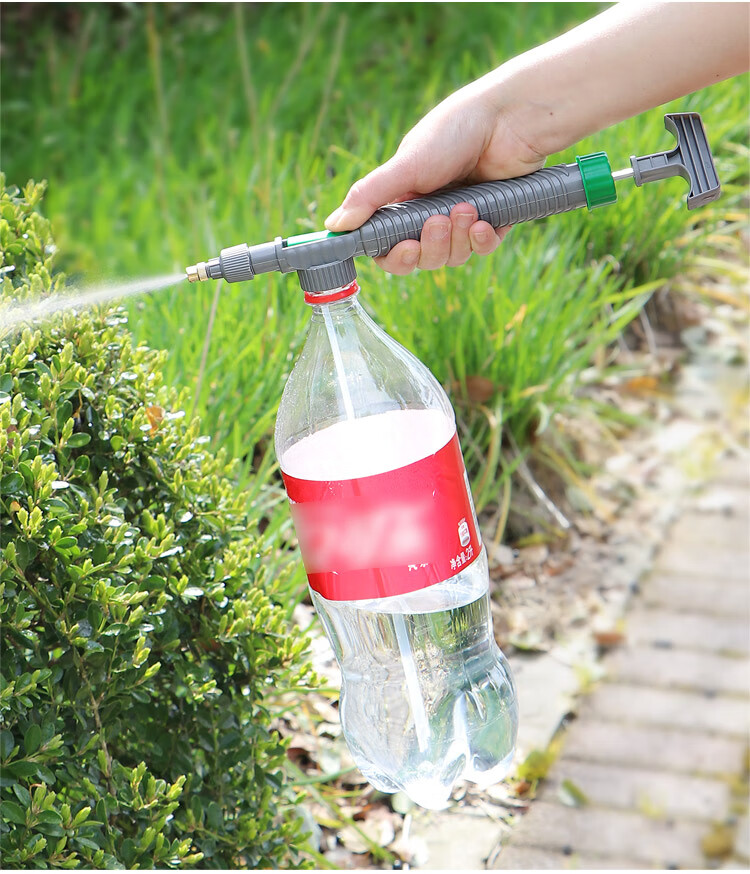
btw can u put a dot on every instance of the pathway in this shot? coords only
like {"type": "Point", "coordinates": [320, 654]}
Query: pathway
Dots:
{"type": "Point", "coordinates": [660, 746]}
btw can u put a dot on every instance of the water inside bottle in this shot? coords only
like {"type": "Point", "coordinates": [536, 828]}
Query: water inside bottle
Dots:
{"type": "Point", "coordinates": [449, 708]}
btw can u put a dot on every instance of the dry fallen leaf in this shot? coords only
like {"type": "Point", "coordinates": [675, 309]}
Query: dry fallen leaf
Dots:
{"type": "Point", "coordinates": [609, 639]}
{"type": "Point", "coordinates": [154, 415]}
{"type": "Point", "coordinates": [641, 385]}
{"type": "Point", "coordinates": [719, 842]}
{"type": "Point", "coordinates": [556, 564]}
{"type": "Point", "coordinates": [480, 389]}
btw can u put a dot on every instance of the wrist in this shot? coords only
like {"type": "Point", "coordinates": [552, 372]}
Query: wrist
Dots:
{"type": "Point", "coordinates": [533, 107]}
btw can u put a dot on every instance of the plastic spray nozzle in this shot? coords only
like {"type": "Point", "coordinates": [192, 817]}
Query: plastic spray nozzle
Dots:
{"type": "Point", "coordinates": [212, 269]}
{"type": "Point", "coordinates": [324, 260]}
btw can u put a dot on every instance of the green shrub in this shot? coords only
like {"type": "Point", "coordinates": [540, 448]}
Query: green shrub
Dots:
{"type": "Point", "coordinates": [142, 639]}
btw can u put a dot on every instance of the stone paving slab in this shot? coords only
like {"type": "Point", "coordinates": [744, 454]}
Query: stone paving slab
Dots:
{"type": "Point", "coordinates": [663, 749]}
{"type": "Point", "coordinates": [692, 711]}
{"type": "Point", "coordinates": [457, 840]}
{"type": "Point", "coordinates": [742, 839]}
{"type": "Point", "coordinates": [719, 634]}
{"type": "Point", "coordinates": [696, 595]}
{"type": "Point", "coordinates": [546, 687]}
{"type": "Point", "coordinates": [680, 669]}
{"type": "Point", "coordinates": [713, 529]}
{"type": "Point", "coordinates": [734, 471]}
{"type": "Point", "coordinates": [609, 833]}
{"type": "Point", "coordinates": [531, 859]}
{"type": "Point", "coordinates": [640, 789]}
{"type": "Point", "coordinates": [700, 560]}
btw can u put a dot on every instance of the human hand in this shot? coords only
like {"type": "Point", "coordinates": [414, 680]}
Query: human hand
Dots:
{"type": "Point", "coordinates": [470, 137]}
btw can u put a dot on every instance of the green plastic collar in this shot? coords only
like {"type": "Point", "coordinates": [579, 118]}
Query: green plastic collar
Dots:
{"type": "Point", "coordinates": [598, 184]}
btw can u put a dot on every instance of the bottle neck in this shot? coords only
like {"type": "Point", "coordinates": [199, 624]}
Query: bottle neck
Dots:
{"type": "Point", "coordinates": [318, 298]}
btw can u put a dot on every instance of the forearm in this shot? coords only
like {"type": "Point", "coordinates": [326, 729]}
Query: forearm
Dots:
{"type": "Point", "coordinates": [628, 59]}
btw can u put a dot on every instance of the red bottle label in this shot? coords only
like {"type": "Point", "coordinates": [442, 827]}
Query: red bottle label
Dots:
{"type": "Point", "coordinates": [387, 534]}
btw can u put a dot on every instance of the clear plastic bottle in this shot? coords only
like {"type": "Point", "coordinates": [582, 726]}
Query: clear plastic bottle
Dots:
{"type": "Point", "coordinates": [366, 439]}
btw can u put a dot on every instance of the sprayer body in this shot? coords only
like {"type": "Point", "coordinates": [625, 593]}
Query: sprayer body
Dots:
{"type": "Point", "coordinates": [323, 260]}
{"type": "Point", "coordinates": [366, 440]}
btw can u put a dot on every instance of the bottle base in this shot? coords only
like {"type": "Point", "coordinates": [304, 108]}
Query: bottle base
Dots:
{"type": "Point", "coordinates": [431, 793]}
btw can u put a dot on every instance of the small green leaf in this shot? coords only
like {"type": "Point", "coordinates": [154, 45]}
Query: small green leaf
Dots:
{"type": "Point", "coordinates": [100, 554]}
{"type": "Point", "coordinates": [22, 769]}
{"type": "Point", "coordinates": [11, 484]}
{"type": "Point", "coordinates": [64, 412]}
{"type": "Point", "coordinates": [128, 851]}
{"type": "Point", "coordinates": [45, 775]}
{"type": "Point", "coordinates": [32, 739]}
{"type": "Point", "coordinates": [49, 828]}
{"type": "Point", "coordinates": [196, 808]}
{"type": "Point", "coordinates": [22, 794]}
{"type": "Point", "coordinates": [25, 471]}
{"type": "Point", "coordinates": [26, 553]}
{"type": "Point", "coordinates": [79, 439]}
{"type": "Point", "coordinates": [214, 815]}
{"type": "Point", "coordinates": [81, 816]}
{"type": "Point", "coordinates": [6, 744]}
{"type": "Point", "coordinates": [12, 812]}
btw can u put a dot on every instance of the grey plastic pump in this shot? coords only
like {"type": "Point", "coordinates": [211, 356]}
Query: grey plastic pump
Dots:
{"type": "Point", "coordinates": [324, 260]}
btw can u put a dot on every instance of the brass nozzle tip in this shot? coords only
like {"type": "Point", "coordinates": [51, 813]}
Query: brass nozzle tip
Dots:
{"type": "Point", "coordinates": [197, 272]}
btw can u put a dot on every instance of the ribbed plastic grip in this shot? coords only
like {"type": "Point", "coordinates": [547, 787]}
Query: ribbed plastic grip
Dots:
{"type": "Point", "coordinates": [327, 276]}
{"type": "Point", "coordinates": [235, 263]}
{"type": "Point", "coordinates": [506, 202]}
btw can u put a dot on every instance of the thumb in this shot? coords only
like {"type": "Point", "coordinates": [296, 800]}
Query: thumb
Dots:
{"type": "Point", "coordinates": [385, 184]}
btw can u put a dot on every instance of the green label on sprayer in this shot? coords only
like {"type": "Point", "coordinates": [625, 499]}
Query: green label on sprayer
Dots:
{"type": "Point", "coordinates": [313, 237]}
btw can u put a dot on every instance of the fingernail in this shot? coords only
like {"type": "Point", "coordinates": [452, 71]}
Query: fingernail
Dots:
{"type": "Point", "coordinates": [410, 257]}
{"type": "Point", "coordinates": [439, 231]}
{"type": "Point", "coordinates": [464, 219]}
{"type": "Point", "coordinates": [335, 216]}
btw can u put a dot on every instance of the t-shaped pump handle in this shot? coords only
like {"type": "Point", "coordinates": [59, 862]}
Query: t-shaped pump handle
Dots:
{"type": "Point", "coordinates": [324, 260]}
{"type": "Point", "coordinates": [691, 158]}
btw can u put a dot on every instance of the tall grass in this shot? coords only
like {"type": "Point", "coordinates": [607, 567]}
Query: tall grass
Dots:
{"type": "Point", "coordinates": [168, 132]}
